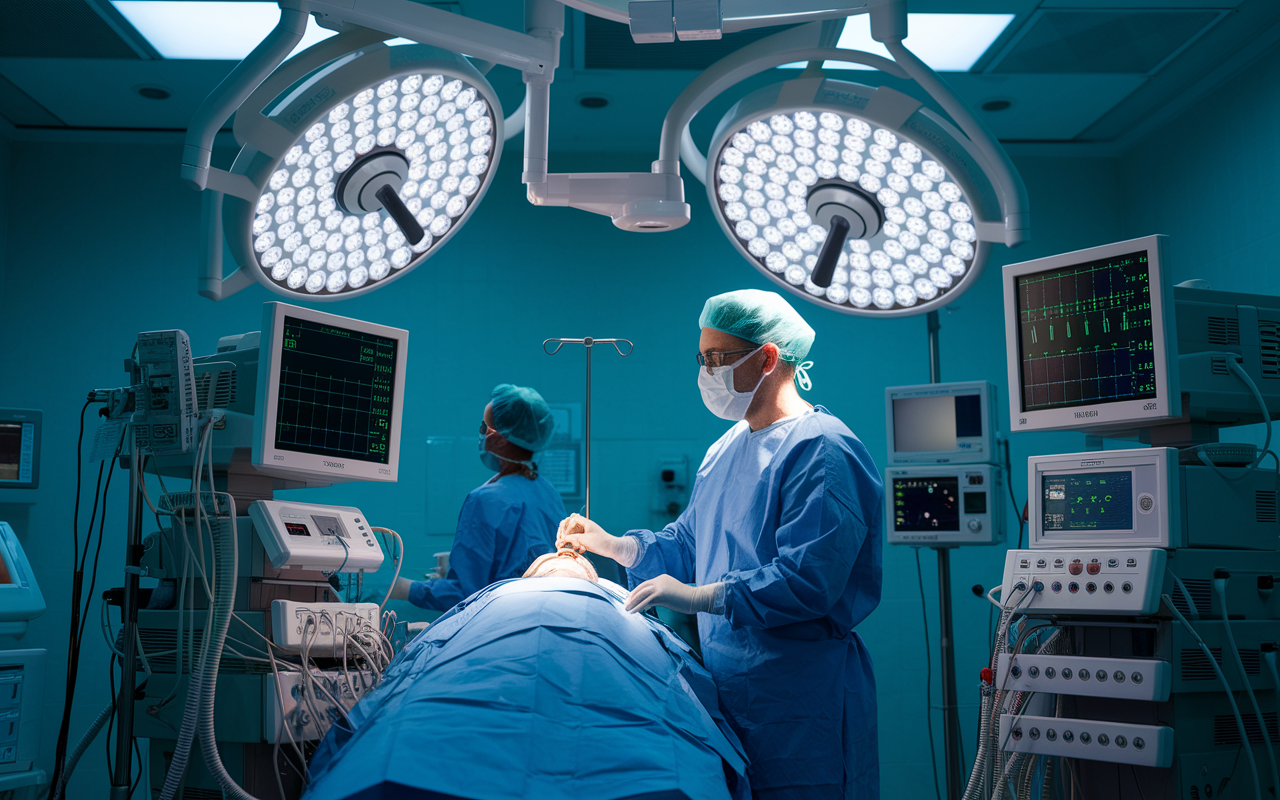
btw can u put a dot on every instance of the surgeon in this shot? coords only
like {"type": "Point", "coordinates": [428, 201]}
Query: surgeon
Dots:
{"type": "Point", "coordinates": [781, 541]}
{"type": "Point", "coordinates": [510, 519]}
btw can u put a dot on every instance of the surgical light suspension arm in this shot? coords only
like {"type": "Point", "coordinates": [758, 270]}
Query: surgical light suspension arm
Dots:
{"type": "Point", "coordinates": [234, 89]}
{"type": "Point", "coordinates": [889, 26]}
{"type": "Point", "coordinates": [812, 42]}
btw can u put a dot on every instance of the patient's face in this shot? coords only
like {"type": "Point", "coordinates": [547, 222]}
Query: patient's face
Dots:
{"type": "Point", "coordinates": [565, 564]}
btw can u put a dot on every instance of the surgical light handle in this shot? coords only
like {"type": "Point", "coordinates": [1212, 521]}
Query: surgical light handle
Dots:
{"type": "Point", "coordinates": [588, 343]}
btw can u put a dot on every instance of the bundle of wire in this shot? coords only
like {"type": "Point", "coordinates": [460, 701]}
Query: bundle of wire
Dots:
{"type": "Point", "coordinates": [202, 530]}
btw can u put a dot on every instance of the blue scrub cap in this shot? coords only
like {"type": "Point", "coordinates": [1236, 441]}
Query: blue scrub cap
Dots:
{"type": "Point", "coordinates": [759, 317]}
{"type": "Point", "coordinates": [522, 416]}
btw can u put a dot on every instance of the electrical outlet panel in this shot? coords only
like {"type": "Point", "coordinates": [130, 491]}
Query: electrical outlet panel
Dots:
{"type": "Point", "coordinates": [323, 628]}
{"type": "Point", "coordinates": [1088, 581]}
{"type": "Point", "coordinates": [1092, 740]}
{"type": "Point", "coordinates": [297, 711]}
{"type": "Point", "coordinates": [1127, 678]}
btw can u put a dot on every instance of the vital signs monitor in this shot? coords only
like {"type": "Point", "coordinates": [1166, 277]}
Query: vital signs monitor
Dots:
{"type": "Point", "coordinates": [1091, 339]}
{"type": "Point", "coordinates": [941, 423]}
{"type": "Point", "coordinates": [330, 391]}
{"type": "Point", "coordinates": [19, 448]}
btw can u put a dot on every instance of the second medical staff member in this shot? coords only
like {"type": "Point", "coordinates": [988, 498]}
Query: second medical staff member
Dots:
{"type": "Point", "coordinates": [782, 539]}
{"type": "Point", "coordinates": [509, 520]}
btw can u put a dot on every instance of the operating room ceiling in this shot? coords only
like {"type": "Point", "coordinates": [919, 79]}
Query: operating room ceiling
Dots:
{"type": "Point", "coordinates": [1064, 71]}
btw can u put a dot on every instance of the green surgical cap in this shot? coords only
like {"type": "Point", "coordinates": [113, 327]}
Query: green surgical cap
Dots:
{"type": "Point", "coordinates": [759, 317]}
{"type": "Point", "coordinates": [522, 416]}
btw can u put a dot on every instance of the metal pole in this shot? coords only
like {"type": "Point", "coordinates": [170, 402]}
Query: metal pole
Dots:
{"type": "Point", "coordinates": [120, 779]}
{"type": "Point", "coordinates": [950, 711]}
{"type": "Point", "coordinates": [587, 342]}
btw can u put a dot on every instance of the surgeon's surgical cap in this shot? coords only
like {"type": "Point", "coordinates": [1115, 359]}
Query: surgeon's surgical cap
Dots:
{"type": "Point", "coordinates": [759, 317]}
{"type": "Point", "coordinates": [522, 416]}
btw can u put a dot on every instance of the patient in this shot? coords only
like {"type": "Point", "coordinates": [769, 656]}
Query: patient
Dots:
{"type": "Point", "coordinates": [565, 563]}
{"type": "Point", "coordinates": [539, 687]}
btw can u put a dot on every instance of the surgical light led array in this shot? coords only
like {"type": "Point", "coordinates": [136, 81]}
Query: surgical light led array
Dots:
{"type": "Point", "coordinates": [915, 237]}
{"type": "Point", "coordinates": [319, 225]}
{"type": "Point", "coordinates": [360, 161]}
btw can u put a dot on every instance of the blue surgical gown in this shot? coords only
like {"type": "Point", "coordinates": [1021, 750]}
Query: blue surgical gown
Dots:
{"type": "Point", "coordinates": [503, 526]}
{"type": "Point", "coordinates": [789, 519]}
{"type": "Point", "coordinates": [536, 689]}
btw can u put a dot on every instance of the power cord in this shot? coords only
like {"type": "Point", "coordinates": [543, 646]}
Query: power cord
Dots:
{"type": "Point", "coordinates": [928, 677]}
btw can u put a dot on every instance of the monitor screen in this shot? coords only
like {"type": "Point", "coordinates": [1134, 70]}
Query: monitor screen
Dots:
{"type": "Point", "coordinates": [330, 393]}
{"type": "Point", "coordinates": [926, 504]}
{"type": "Point", "coordinates": [936, 424]}
{"type": "Point", "coordinates": [18, 443]}
{"type": "Point", "coordinates": [1085, 333]}
{"type": "Point", "coordinates": [1088, 501]}
{"type": "Point", "coordinates": [336, 391]}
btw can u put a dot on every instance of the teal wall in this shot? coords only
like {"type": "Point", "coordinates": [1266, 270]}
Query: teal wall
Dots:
{"type": "Point", "coordinates": [102, 239]}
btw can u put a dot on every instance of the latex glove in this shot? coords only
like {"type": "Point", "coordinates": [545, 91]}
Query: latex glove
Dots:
{"type": "Point", "coordinates": [401, 589]}
{"type": "Point", "coordinates": [581, 534]}
{"type": "Point", "coordinates": [668, 592]}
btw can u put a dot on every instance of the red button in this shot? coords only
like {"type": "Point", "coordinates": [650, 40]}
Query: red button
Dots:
{"type": "Point", "coordinates": [1094, 568]}
{"type": "Point", "coordinates": [1075, 567]}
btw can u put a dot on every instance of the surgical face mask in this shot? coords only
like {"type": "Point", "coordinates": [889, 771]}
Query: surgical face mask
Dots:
{"type": "Point", "coordinates": [493, 461]}
{"type": "Point", "coordinates": [718, 393]}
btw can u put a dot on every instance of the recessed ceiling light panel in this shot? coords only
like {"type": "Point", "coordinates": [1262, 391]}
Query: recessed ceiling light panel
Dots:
{"type": "Point", "coordinates": [363, 170]}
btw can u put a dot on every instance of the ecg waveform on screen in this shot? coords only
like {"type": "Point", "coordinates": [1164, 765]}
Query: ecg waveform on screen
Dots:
{"type": "Point", "coordinates": [336, 391]}
{"type": "Point", "coordinates": [1085, 334]}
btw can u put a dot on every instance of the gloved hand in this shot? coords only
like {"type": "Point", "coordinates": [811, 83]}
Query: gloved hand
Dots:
{"type": "Point", "coordinates": [400, 591]}
{"type": "Point", "coordinates": [581, 534]}
{"type": "Point", "coordinates": [666, 591]}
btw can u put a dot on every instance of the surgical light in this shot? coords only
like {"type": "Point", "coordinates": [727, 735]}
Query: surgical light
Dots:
{"type": "Point", "coordinates": [857, 198]}
{"type": "Point", "coordinates": [360, 171]}
{"type": "Point", "coordinates": [830, 198]}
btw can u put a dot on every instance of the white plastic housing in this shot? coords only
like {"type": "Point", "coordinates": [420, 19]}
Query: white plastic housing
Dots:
{"type": "Point", "coordinates": [976, 518]}
{"type": "Point", "coordinates": [20, 597]}
{"type": "Point", "coordinates": [21, 708]}
{"type": "Point", "coordinates": [1144, 745]}
{"type": "Point", "coordinates": [316, 538]}
{"type": "Point", "coordinates": [275, 123]}
{"type": "Point", "coordinates": [1147, 479]}
{"type": "Point", "coordinates": [907, 408]}
{"type": "Point", "coordinates": [1121, 678]}
{"type": "Point", "coordinates": [1098, 414]}
{"type": "Point", "coordinates": [883, 108]}
{"type": "Point", "coordinates": [1086, 582]}
{"type": "Point", "coordinates": [165, 422]}
{"type": "Point", "coordinates": [272, 459]}
{"type": "Point", "coordinates": [322, 629]}
{"type": "Point", "coordinates": [289, 717]}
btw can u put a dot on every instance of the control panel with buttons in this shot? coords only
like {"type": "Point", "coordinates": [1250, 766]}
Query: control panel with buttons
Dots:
{"type": "Point", "coordinates": [314, 537]}
{"type": "Point", "coordinates": [1092, 740]}
{"type": "Point", "coordinates": [945, 504]}
{"type": "Point", "coordinates": [1125, 582]}
{"type": "Point", "coordinates": [1125, 678]}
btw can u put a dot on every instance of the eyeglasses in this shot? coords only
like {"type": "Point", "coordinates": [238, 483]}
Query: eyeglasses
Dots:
{"type": "Point", "coordinates": [715, 358]}
{"type": "Point", "coordinates": [485, 429]}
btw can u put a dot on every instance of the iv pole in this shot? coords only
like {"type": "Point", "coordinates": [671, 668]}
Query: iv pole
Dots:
{"type": "Point", "coordinates": [950, 711]}
{"type": "Point", "coordinates": [588, 343]}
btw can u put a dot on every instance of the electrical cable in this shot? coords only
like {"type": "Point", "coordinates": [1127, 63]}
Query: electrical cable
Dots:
{"type": "Point", "coordinates": [1226, 687]}
{"type": "Point", "coordinates": [400, 562]}
{"type": "Point", "coordinates": [1017, 510]}
{"type": "Point", "coordinates": [1220, 586]}
{"type": "Point", "coordinates": [928, 678]}
{"type": "Point", "coordinates": [73, 651]}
